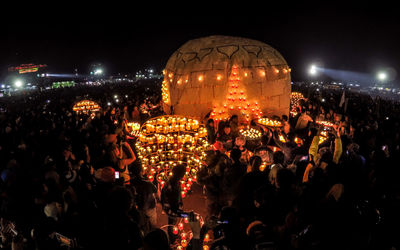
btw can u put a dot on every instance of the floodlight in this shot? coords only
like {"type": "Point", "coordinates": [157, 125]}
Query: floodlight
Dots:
{"type": "Point", "coordinates": [313, 70]}
{"type": "Point", "coordinates": [18, 83]}
{"type": "Point", "coordinates": [382, 76]}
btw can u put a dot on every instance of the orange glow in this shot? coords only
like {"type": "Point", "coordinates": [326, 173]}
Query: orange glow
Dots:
{"type": "Point", "coordinates": [200, 78]}
{"type": "Point", "coordinates": [219, 77]}
{"type": "Point", "coordinates": [183, 236]}
{"type": "Point", "coordinates": [325, 123]}
{"type": "Point", "coordinates": [235, 93]}
{"type": "Point", "coordinates": [269, 122]}
{"type": "Point", "coordinates": [85, 107]}
{"type": "Point", "coordinates": [184, 243]}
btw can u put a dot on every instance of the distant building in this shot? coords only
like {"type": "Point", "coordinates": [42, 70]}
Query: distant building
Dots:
{"type": "Point", "coordinates": [147, 74]}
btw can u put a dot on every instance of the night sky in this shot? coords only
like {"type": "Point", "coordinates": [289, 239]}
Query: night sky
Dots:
{"type": "Point", "coordinates": [354, 38]}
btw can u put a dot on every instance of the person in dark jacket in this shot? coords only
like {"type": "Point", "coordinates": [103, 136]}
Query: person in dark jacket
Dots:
{"type": "Point", "coordinates": [211, 135]}
{"type": "Point", "coordinates": [171, 199]}
{"type": "Point", "coordinates": [145, 195]}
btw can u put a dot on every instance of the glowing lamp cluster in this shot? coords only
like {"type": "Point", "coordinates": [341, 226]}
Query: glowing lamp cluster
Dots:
{"type": "Point", "coordinates": [325, 123]}
{"type": "Point", "coordinates": [324, 134]}
{"type": "Point", "coordinates": [251, 134]}
{"type": "Point", "coordinates": [269, 122]}
{"type": "Point", "coordinates": [295, 102]}
{"type": "Point", "coordinates": [86, 107]}
{"type": "Point", "coordinates": [184, 236]}
{"type": "Point", "coordinates": [236, 100]}
{"type": "Point", "coordinates": [133, 128]}
{"type": "Point", "coordinates": [164, 91]}
{"type": "Point", "coordinates": [167, 141]}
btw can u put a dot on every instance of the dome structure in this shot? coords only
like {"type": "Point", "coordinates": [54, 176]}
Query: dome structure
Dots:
{"type": "Point", "coordinates": [222, 76]}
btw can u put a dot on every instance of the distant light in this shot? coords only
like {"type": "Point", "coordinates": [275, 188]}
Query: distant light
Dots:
{"type": "Point", "coordinates": [3, 86]}
{"type": "Point", "coordinates": [117, 100]}
{"type": "Point", "coordinates": [126, 96]}
{"type": "Point", "coordinates": [98, 72]}
{"type": "Point", "coordinates": [109, 103]}
{"type": "Point", "coordinates": [115, 96]}
{"type": "Point", "coordinates": [18, 83]}
{"type": "Point", "coordinates": [382, 76]}
{"type": "Point", "coordinates": [313, 70]}
{"type": "Point", "coordinates": [323, 100]}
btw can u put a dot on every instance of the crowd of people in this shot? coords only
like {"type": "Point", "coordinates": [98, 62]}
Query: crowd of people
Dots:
{"type": "Point", "coordinates": [71, 181]}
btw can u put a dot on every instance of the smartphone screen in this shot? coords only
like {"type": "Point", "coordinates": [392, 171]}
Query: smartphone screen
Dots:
{"type": "Point", "coordinates": [304, 158]}
{"type": "Point", "coordinates": [184, 215]}
{"type": "Point", "coordinates": [222, 222]}
{"type": "Point", "coordinates": [116, 175]}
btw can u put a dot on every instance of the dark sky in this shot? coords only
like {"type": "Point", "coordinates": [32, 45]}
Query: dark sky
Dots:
{"type": "Point", "coordinates": [354, 38]}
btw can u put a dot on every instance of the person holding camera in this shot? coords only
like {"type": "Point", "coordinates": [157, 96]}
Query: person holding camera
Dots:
{"type": "Point", "coordinates": [120, 155]}
{"type": "Point", "coordinates": [320, 158]}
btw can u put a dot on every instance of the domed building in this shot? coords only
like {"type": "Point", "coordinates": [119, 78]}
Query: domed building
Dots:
{"type": "Point", "coordinates": [223, 75]}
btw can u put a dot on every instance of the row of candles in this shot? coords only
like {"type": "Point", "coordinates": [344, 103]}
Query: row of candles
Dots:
{"type": "Point", "coordinates": [269, 122]}
{"type": "Point", "coordinates": [86, 106]}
